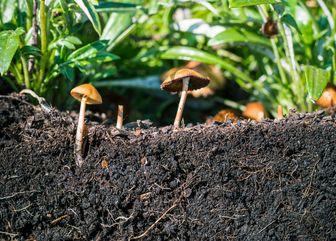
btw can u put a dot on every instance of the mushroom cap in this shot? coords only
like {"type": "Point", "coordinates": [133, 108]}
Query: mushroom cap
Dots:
{"type": "Point", "coordinates": [174, 80]}
{"type": "Point", "coordinates": [224, 115]}
{"type": "Point", "coordinates": [88, 90]}
{"type": "Point", "coordinates": [328, 97]}
{"type": "Point", "coordinates": [255, 111]}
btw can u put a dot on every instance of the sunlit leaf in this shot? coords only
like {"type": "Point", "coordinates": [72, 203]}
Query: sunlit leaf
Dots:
{"type": "Point", "coordinates": [91, 14]}
{"type": "Point", "coordinates": [9, 43]}
{"type": "Point", "coordinates": [87, 51]}
{"type": "Point", "coordinates": [117, 28]}
{"type": "Point", "coordinates": [238, 35]}
{"type": "Point", "coordinates": [244, 3]}
{"type": "Point", "coordinates": [7, 10]}
{"type": "Point", "coordinates": [205, 3]}
{"type": "Point", "coordinates": [316, 81]}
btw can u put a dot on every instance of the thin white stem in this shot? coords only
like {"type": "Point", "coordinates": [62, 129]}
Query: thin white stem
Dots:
{"type": "Point", "coordinates": [79, 134]}
{"type": "Point", "coordinates": [120, 116]}
{"type": "Point", "coordinates": [183, 98]}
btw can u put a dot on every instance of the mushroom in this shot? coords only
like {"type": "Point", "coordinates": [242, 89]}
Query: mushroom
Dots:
{"type": "Point", "coordinates": [86, 94]}
{"type": "Point", "coordinates": [222, 116]}
{"type": "Point", "coordinates": [183, 80]}
{"type": "Point", "coordinates": [255, 111]}
{"type": "Point", "coordinates": [120, 116]}
{"type": "Point", "coordinates": [280, 112]}
{"type": "Point", "coordinates": [328, 97]}
{"type": "Point", "coordinates": [213, 72]}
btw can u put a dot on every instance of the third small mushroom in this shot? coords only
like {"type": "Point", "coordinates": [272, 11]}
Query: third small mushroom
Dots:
{"type": "Point", "coordinates": [181, 81]}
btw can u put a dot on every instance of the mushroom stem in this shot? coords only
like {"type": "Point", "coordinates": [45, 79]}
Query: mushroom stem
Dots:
{"type": "Point", "coordinates": [120, 116]}
{"type": "Point", "coordinates": [79, 134]}
{"type": "Point", "coordinates": [280, 112]}
{"type": "Point", "coordinates": [182, 103]}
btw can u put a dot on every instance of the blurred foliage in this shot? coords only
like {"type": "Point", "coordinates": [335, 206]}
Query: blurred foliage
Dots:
{"type": "Point", "coordinates": [123, 47]}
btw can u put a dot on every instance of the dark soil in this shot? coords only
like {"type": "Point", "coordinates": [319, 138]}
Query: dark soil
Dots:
{"type": "Point", "coordinates": [274, 180]}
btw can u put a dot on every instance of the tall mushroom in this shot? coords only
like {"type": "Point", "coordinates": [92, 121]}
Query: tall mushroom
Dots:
{"type": "Point", "coordinates": [86, 94]}
{"type": "Point", "coordinates": [183, 80]}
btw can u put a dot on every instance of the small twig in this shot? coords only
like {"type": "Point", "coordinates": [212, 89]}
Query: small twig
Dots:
{"type": "Point", "coordinates": [21, 209]}
{"type": "Point", "coordinates": [306, 192]}
{"type": "Point", "coordinates": [15, 194]}
{"type": "Point", "coordinates": [266, 226]}
{"type": "Point", "coordinates": [57, 220]}
{"type": "Point", "coordinates": [153, 225]}
{"type": "Point", "coordinates": [12, 235]}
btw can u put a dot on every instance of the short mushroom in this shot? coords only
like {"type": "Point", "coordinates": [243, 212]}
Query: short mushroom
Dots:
{"type": "Point", "coordinates": [255, 111]}
{"type": "Point", "coordinates": [328, 97]}
{"type": "Point", "coordinates": [86, 94]}
{"type": "Point", "coordinates": [224, 115]}
{"type": "Point", "coordinates": [280, 112]}
{"type": "Point", "coordinates": [183, 80]}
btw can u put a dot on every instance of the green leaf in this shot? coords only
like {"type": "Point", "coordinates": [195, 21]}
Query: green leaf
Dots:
{"type": "Point", "coordinates": [115, 7]}
{"type": "Point", "coordinates": [91, 13]}
{"type": "Point", "coordinates": [316, 81]}
{"type": "Point", "coordinates": [244, 3]}
{"type": "Point", "coordinates": [205, 4]}
{"type": "Point", "coordinates": [188, 53]}
{"type": "Point", "coordinates": [29, 50]}
{"type": "Point", "coordinates": [9, 43]}
{"type": "Point", "coordinates": [148, 83]}
{"type": "Point", "coordinates": [69, 42]}
{"type": "Point", "coordinates": [7, 10]}
{"type": "Point", "coordinates": [88, 50]}
{"type": "Point", "coordinates": [89, 54]}
{"type": "Point", "coordinates": [118, 27]}
{"type": "Point", "coordinates": [289, 20]}
{"type": "Point", "coordinates": [238, 35]}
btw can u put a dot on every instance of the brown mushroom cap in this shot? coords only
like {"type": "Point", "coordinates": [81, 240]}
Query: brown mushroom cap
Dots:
{"type": "Point", "coordinates": [255, 111]}
{"type": "Point", "coordinates": [328, 97]}
{"type": "Point", "coordinates": [174, 80]}
{"type": "Point", "coordinates": [91, 93]}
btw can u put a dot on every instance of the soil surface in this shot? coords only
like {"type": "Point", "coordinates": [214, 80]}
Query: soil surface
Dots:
{"type": "Point", "coordinates": [274, 180]}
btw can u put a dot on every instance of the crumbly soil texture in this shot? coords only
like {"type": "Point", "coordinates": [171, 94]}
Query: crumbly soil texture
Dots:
{"type": "Point", "coordinates": [273, 180]}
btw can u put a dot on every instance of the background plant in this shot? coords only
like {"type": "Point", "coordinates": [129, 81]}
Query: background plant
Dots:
{"type": "Point", "coordinates": [123, 47]}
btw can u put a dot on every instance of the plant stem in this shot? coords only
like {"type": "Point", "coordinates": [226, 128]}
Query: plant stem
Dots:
{"type": "Point", "coordinates": [289, 50]}
{"type": "Point", "coordinates": [11, 83]}
{"type": "Point", "coordinates": [183, 98]}
{"type": "Point", "coordinates": [17, 75]}
{"type": "Point", "coordinates": [265, 17]}
{"type": "Point", "coordinates": [43, 29]}
{"type": "Point", "coordinates": [34, 34]}
{"type": "Point", "coordinates": [25, 72]}
{"type": "Point", "coordinates": [29, 15]}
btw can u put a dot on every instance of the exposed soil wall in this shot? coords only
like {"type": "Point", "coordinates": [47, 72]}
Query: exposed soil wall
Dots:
{"type": "Point", "coordinates": [264, 181]}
